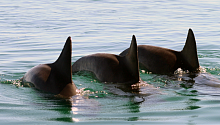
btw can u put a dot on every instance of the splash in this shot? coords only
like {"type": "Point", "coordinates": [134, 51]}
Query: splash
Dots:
{"type": "Point", "coordinates": [17, 83]}
{"type": "Point", "coordinates": [90, 93]}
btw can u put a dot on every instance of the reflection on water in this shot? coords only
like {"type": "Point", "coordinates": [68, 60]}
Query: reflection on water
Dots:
{"type": "Point", "coordinates": [200, 82]}
{"type": "Point", "coordinates": [71, 110]}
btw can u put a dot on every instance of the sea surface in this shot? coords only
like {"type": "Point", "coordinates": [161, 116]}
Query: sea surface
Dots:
{"type": "Point", "coordinates": [34, 32]}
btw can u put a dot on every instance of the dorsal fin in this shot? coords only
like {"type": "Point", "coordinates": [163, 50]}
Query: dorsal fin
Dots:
{"type": "Point", "coordinates": [189, 52]}
{"type": "Point", "coordinates": [132, 58]}
{"type": "Point", "coordinates": [63, 64]}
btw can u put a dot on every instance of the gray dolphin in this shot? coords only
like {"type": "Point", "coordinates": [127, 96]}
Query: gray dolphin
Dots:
{"type": "Point", "coordinates": [110, 67]}
{"type": "Point", "coordinates": [56, 77]}
{"type": "Point", "coordinates": [164, 61]}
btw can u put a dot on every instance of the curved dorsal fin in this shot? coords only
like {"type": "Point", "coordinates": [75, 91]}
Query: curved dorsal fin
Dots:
{"type": "Point", "coordinates": [63, 64]}
{"type": "Point", "coordinates": [132, 58]}
{"type": "Point", "coordinates": [189, 52]}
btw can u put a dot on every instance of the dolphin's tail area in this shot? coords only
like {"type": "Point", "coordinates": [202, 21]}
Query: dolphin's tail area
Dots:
{"type": "Point", "coordinates": [132, 59]}
{"type": "Point", "coordinates": [189, 53]}
{"type": "Point", "coordinates": [62, 66]}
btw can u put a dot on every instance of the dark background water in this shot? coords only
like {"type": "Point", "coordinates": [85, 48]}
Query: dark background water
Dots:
{"type": "Point", "coordinates": [34, 32]}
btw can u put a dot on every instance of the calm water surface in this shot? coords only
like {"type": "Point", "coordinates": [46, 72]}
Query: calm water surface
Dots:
{"type": "Point", "coordinates": [34, 32]}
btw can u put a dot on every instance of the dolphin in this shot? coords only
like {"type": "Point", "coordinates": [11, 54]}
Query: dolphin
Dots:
{"type": "Point", "coordinates": [55, 77]}
{"type": "Point", "coordinates": [112, 68]}
{"type": "Point", "coordinates": [165, 61]}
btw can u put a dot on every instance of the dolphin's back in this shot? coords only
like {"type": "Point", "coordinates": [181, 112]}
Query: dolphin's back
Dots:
{"type": "Point", "coordinates": [94, 62]}
{"type": "Point", "coordinates": [164, 61]}
{"type": "Point", "coordinates": [157, 59]}
{"type": "Point", "coordinates": [110, 67]}
{"type": "Point", "coordinates": [54, 77]}
{"type": "Point", "coordinates": [38, 76]}
{"type": "Point", "coordinates": [104, 66]}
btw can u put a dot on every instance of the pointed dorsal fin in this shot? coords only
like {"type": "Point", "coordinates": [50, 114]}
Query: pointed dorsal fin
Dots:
{"type": "Point", "coordinates": [189, 52]}
{"type": "Point", "coordinates": [63, 64]}
{"type": "Point", "coordinates": [132, 58]}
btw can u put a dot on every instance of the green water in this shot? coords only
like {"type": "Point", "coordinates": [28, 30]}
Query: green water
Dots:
{"type": "Point", "coordinates": [34, 32]}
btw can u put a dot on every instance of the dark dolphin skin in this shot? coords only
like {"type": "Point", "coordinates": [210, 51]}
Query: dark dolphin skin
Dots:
{"type": "Point", "coordinates": [112, 68]}
{"type": "Point", "coordinates": [56, 77]}
{"type": "Point", "coordinates": [165, 61]}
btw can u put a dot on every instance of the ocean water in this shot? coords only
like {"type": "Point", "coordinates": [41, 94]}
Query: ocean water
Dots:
{"type": "Point", "coordinates": [34, 32]}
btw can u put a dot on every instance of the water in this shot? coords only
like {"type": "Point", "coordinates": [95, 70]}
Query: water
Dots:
{"type": "Point", "coordinates": [34, 32]}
